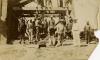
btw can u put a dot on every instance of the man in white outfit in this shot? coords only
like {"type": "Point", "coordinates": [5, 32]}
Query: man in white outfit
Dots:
{"type": "Point", "coordinates": [76, 33]}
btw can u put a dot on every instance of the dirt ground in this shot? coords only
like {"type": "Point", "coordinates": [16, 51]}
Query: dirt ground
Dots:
{"type": "Point", "coordinates": [31, 52]}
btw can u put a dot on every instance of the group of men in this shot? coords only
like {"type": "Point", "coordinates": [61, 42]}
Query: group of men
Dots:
{"type": "Point", "coordinates": [52, 29]}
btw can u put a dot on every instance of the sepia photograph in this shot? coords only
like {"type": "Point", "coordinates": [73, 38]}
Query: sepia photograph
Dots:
{"type": "Point", "coordinates": [48, 29]}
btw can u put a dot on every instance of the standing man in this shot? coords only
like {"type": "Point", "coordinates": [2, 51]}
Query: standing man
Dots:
{"type": "Point", "coordinates": [51, 32]}
{"type": "Point", "coordinates": [49, 4]}
{"type": "Point", "coordinates": [60, 31]}
{"type": "Point", "coordinates": [38, 25]}
{"type": "Point", "coordinates": [87, 33]}
{"type": "Point", "coordinates": [21, 30]}
{"type": "Point", "coordinates": [60, 3]}
{"type": "Point", "coordinates": [30, 29]}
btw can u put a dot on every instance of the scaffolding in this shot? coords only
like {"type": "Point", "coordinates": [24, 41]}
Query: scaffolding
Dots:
{"type": "Point", "coordinates": [43, 8]}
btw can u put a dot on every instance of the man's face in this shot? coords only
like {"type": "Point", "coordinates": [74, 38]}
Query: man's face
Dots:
{"type": "Point", "coordinates": [75, 21]}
